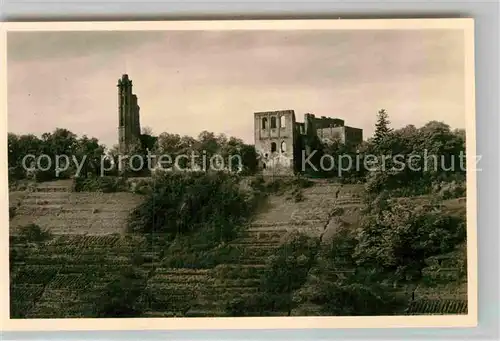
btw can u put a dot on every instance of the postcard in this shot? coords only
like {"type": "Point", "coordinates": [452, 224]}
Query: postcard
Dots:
{"type": "Point", "coordinates": [238, 174]}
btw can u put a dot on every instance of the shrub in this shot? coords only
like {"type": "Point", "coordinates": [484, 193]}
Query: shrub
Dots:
{"type": "Point", "coordinates": [260, 304]}
{"type": "Point", "coordinates": [15, 174]}
{"type": "Point", "coordinates": [141, 186]}
{"type": "Point", "coordinates": [450, 190]}
{"type": "Point", "coordinates": [12, 212]}
{"type": "Point", "coordinates": [287, 269]}
{"type": "Point", "coordinates": [298, 196]}
{"type": "Point", "coordinates": [105, 184]}
{"type": "Point", "coordinates": [337, 211]}
{"type": "Point", "coordinates": [398, 239]}
{"type": "Point", "coordinates": [338, 286]}
{"type": "Point", "coordinates": [180, 203]}
{"type": "Point", "coordinates": [121, 297]}
{"type": "Point", "coordinates": [353, 297]}
{"type": "Point", "coordinates": [33, 233]}
{"type": "Point", "coordinates": [279, 185]}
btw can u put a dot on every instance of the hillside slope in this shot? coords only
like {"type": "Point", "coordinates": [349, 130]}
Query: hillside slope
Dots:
{"type": "Point", "coordinates": [66, 275]}
{"type": "Point", "coordinates": [53, 206]}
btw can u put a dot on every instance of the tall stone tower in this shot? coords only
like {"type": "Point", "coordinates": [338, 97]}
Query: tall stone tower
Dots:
{"type": "Point", "coordinates": [275, 141]}
{"type": "Point", "coordinates": [129, 128]}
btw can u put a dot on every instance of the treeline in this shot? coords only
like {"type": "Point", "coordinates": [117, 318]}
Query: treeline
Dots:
{"type": "Point", "coordinates": [231, 153]}
{"type": "Point", "coordinates": [89, 158]}
{"type": "Point", "coordinates": [405, 161]}
{"type": "Point", "coordinates": [59, 142]}
{"type": "Point", "coordinates": [410, 160]}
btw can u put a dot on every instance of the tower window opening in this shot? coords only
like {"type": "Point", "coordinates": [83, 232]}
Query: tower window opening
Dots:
{"type": "Point", "coordinates": [273, 147]}
{"type": "Point", "coordinates": [264, 123]}
{"type": "Point", "coordinates": [283, 146]}
{"type": "Point", "coordinates": [282, 122]}
{"type": "Point", "coordinates": [273, 122]}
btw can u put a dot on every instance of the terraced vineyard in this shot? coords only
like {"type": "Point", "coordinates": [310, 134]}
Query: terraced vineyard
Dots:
{"type": "Point", "coordinates": [61, 276]}
{"type": "Point", "coordinates": [66, 275]}
{"type": "Point", "coordinates": [204, 292]}
{"type": "Point", "coordinates": [54, 207]}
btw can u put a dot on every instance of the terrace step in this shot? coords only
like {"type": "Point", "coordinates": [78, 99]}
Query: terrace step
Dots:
{"type": "Point", "coordinates": [41, 207]}
{"type": "Point", "coordinates": [290, 224]}
{"type": "Point", "coordinates": [182, 271]}
{"type": "Point", "coordinates": [237, 266]}
{"type": "Point", "coordinates": [44, 201]}
{"type": "Point", "coordinates": [269, 229]}
{"type": "Point", "coordinates": [162, 314]}
{"type": "Point", "coordinates": [52, 189]}
{"type": "Point", "coordinates": [205, 313]}
{"type": "Point", "coordinates": [254, 260]}
{"type": "Point", "coordinates": [256, 244]}
{"type": "Point", "coordinates": [216, 291]}
{"type": "Point", "coordinates": [266, 224]}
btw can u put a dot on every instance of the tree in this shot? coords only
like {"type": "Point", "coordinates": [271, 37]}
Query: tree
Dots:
{"type": "Point", "coordinates": [382, 129]}
{"type": "Point", "coordinates": [435, 152]}
{"type": "Point", "coordinates": [147, 139]}
{"type": "Point", "coordinates": [232, 150]}
{"type": "Point", "coordinates": [60, 142]}
{"type": "Point", "coordinates": [13, 146]}
{"type": "Point", "coordinates": [147, 131]}
{"type": "Point", "coordinates": [338, 286]}
{"type": "Point", "coordinates": [90, 151]}
{"type": "Point", "coordinates": [168, 144]}
{"type": "Point", "coordinates": [399, 239]}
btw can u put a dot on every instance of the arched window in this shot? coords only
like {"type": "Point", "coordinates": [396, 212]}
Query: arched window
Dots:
{"type": "Point", "coordinates": [273, 147]}
{"type": "Point", "coordinates": [273, 122]}
{"type": "Point", "coordinates": [283, 146]}
{"type": "Point", "coordinates": [264, 123]}
{"type": "Point", "coordinates": [282, 122]}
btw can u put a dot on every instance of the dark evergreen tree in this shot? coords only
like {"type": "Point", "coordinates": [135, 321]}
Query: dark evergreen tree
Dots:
{"type": "Point", "coordinates": [382, 128]}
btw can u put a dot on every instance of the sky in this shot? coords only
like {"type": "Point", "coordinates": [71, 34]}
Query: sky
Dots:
{"type": "Point", "coordinates": [190, 81]}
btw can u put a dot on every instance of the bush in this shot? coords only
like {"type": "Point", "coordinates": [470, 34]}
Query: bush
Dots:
{"type": "Point", "coordinates": [140, 186]}
{"type": "Point", "coordinates": [33, 233]}
{"type": "Point", "coordinates": [106, 184]}
{"type": "Point", "coordinates": [338, 286]}
{"type": "Point", "coordinates": [450, 190]}
{"type": "Point", "coordinates": [180, 203]}
{"type": "Point", "coordinates": [279, 185]}
{"type": "Point", "coordinates": [260, 304]}
{"type": "Point", "coordinates": [356, 298]}
{"type": "Point", "coordinates": [287, 269]}
{"type": "Point", "coordinates": [398, 239]}
{"type": "Point", "coordinates": [16, 173]}
{"type": "Point", "coordinates": [121, 297]}
{"type": "Point", "coordinates": [12, 212]}
{"type": "Point", "coordinates": [298, 196]}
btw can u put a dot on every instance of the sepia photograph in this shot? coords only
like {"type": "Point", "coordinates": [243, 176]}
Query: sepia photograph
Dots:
{"type": "Point", "coordinates": [240, 169]}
